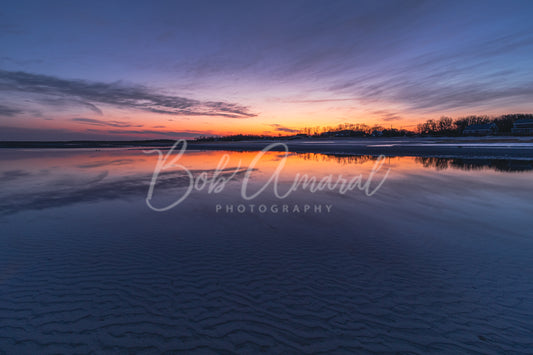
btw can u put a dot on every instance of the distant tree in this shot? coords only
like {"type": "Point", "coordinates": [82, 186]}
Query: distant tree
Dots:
{"type": "Point", "coordinates": [445, 125]}
{"type": "Point", "coordinates": [377, 128]}
{"type": "Point", "coordinates": [479, 119]}
{"type": "Point", "coordinates": [428, 128]}
{"type": "Point", "coordinates": [393, 132]}
{"type": "Point", "coordinates": [461, 124]}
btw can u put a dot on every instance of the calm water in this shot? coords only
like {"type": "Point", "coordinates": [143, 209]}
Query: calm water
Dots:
{"type": "Point", "coordinates": [438, 259]}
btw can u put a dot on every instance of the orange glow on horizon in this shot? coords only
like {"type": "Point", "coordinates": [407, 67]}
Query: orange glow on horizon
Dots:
{"type": "Point", "coordinates": [116, 124]}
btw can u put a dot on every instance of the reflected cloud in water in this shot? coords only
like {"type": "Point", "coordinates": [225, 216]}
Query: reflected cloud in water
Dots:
{"type": "Point", "coordinates": [36, 180]}
{"type": "Point", "coordinates": [70, 189]}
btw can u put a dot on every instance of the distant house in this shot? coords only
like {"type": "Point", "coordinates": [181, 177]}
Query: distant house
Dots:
{"type": "Point", "coordinates": [480, 129]}
{"type": "Point", "coordinates": [523, 127]}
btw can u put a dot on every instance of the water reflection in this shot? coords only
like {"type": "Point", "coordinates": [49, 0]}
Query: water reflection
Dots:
{"type": "Point", "coordinates": [73, 190]}
{"type": "Point", "coordinates": [44, 179]}
{"type": "Point", "coordinates": [503, 165]}
{"type": "Point", "coordinates": [338, 158]}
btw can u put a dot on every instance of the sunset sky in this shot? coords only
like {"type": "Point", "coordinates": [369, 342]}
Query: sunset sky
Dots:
{"type": "Point", "coordinates": [179, 69]}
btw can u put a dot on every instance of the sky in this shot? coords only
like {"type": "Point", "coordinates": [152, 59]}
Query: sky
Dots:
{"type": "Point", "coordinates": [73, 70]}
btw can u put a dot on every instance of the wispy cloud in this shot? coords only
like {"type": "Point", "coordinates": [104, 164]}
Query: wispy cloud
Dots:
{"type": "Point", "coordinates": [467, 76]}
{"type": "Point", "coordinates": [9, 111]}
{"type": "Point", "coordinates": [171, 134]}
{"type": "Point", "coordinates": [95, 122]}
{"type": "Point", "coordinates": [280, 128]}
{"type": "Point", "coordinates": [313, 101]}
{"type": "Point", "coordinates": [80, 92]}
{"type": "Point", "coordinates": [387, 116]}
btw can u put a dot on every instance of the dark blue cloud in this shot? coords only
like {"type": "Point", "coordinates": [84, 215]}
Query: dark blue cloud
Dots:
{"type": "Point", "coordinates": [95, 122]}
{"type": "Point", "coordinates": [56, 90]}
{"type": "Point", "coordinates": [280, 128]}
{"type": "Point", "coordinates": [9, 111]}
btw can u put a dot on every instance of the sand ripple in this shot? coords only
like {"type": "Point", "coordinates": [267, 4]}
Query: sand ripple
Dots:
{"type": "Point", "coordinates": [283, 295]}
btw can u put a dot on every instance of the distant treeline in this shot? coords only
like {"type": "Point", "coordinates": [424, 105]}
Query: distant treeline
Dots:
{"type": "Point", "coordinates": [354, 130]}
{"type": "Point", "coordinates": [446, 126]}
{"type": "Point", "coordinates": [238, 137]}
{"type": "Point", "coordinates": [342, 130]}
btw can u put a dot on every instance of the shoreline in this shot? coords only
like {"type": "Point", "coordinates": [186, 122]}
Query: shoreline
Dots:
{"type": "Point", "coordinates": [389, 148]}
{"type": "Point", "coordinates": [444, 147]}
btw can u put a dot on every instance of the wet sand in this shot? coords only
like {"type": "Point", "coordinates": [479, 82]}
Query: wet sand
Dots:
{"type": "Point", "coordinates": [438, 261]}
